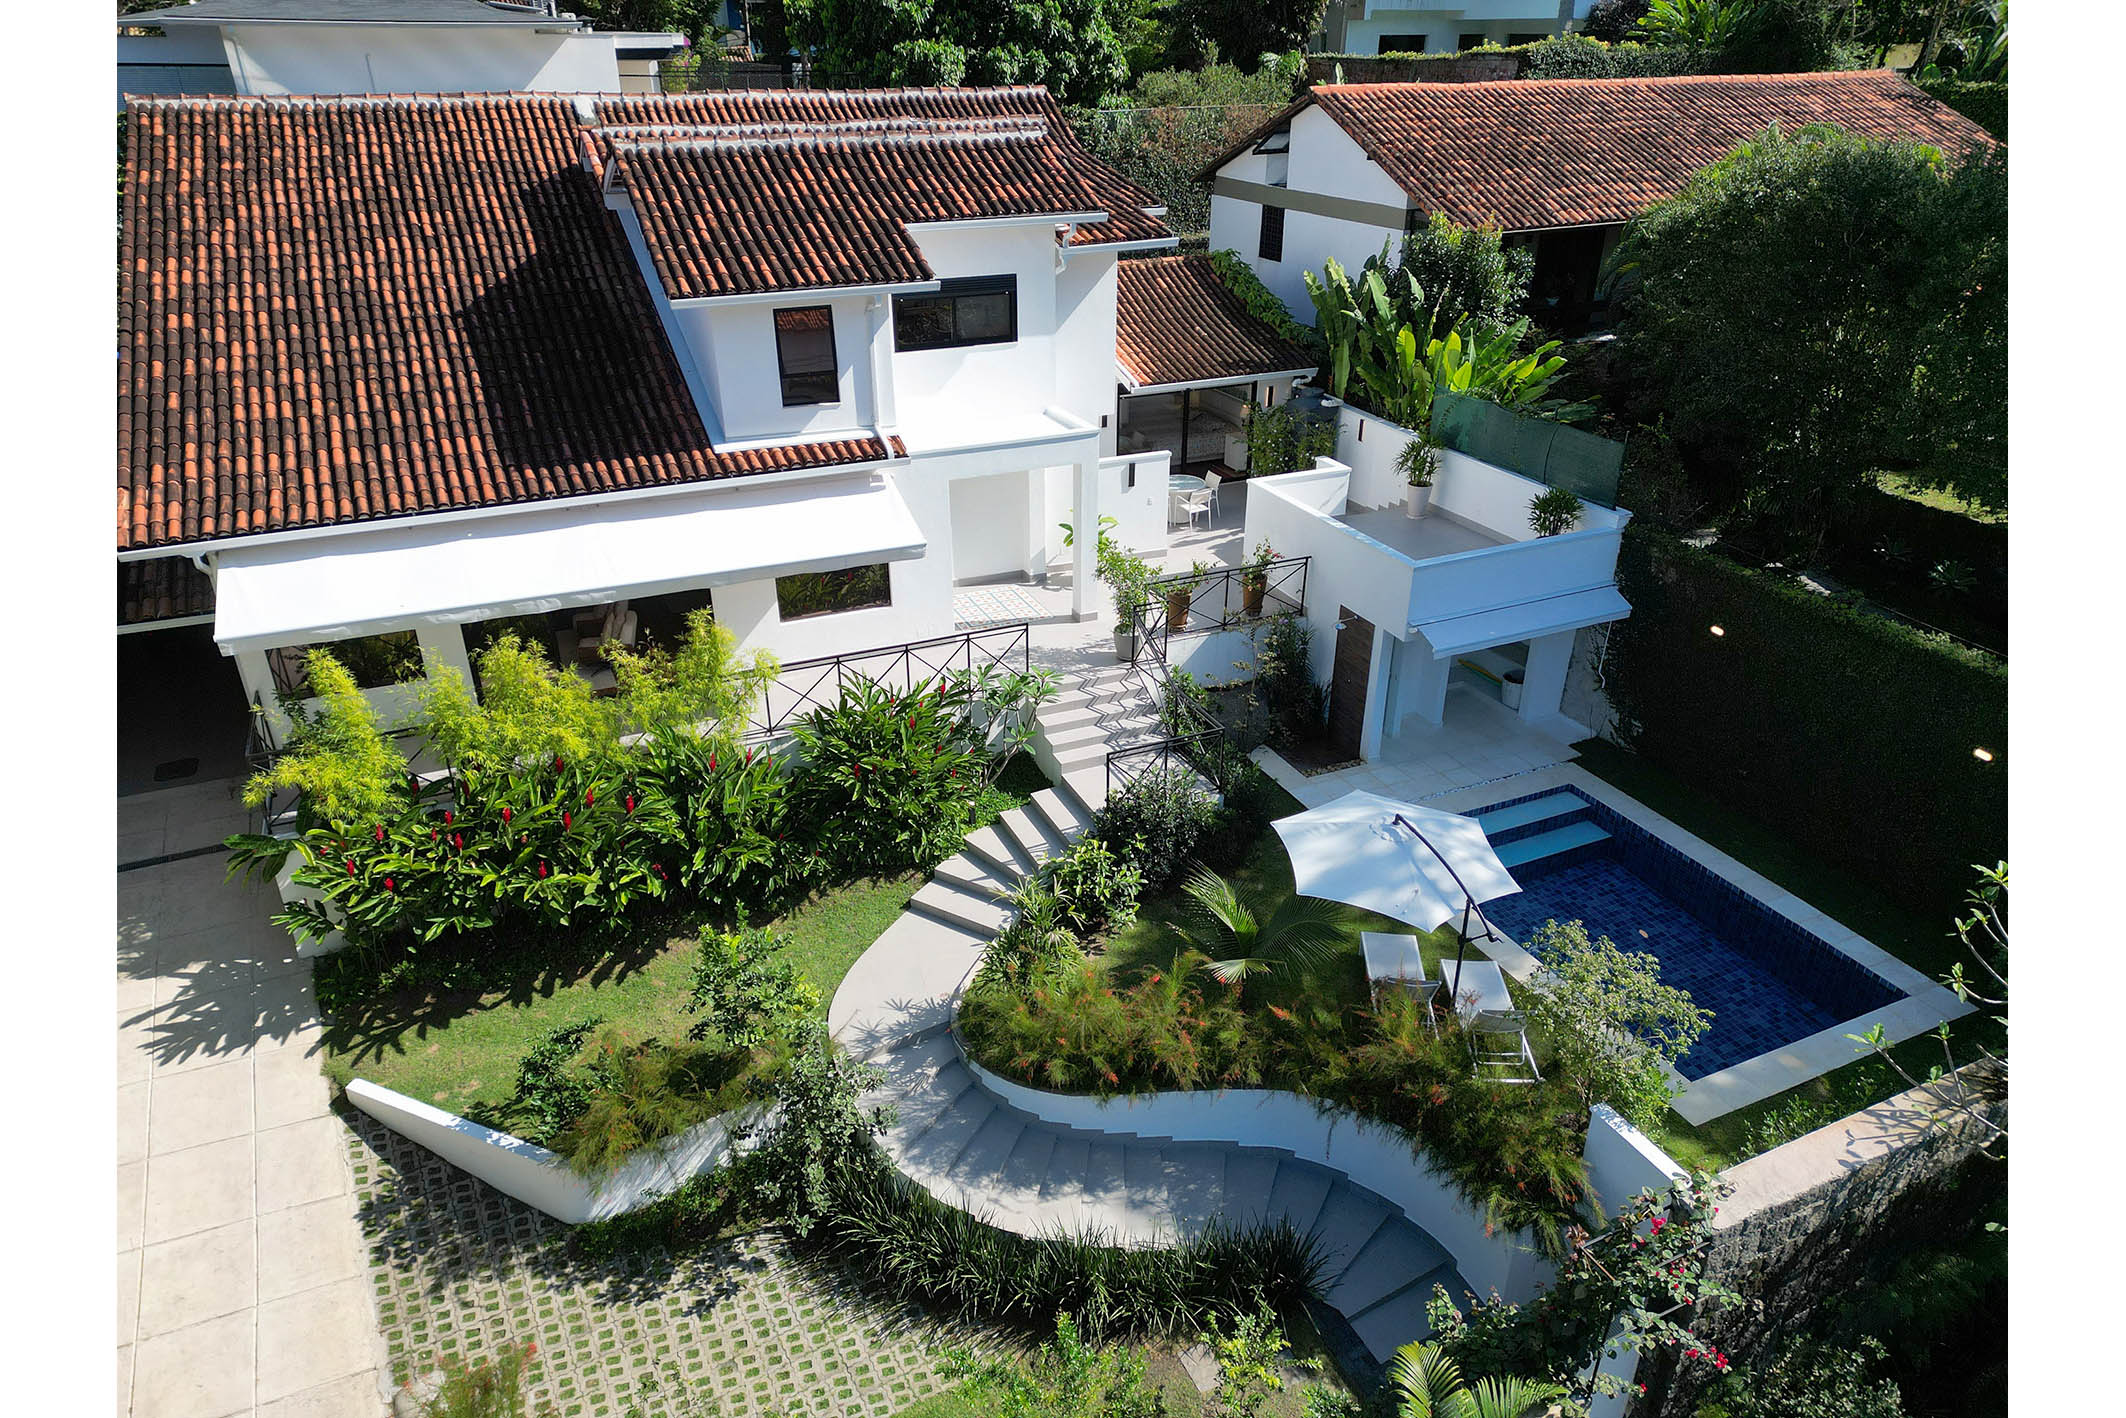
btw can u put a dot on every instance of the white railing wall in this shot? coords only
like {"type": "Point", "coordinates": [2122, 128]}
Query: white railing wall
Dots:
{"type": "Point", "coordinates": [1472, 581]}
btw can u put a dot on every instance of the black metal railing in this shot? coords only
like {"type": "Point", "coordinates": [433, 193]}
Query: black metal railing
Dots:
{"type": "Point", "coordinates": [807, 685]}
{"type": "Point", "coordinates": [1189, 736]}
{"type": "Point", "coordinates": [1220, 599]}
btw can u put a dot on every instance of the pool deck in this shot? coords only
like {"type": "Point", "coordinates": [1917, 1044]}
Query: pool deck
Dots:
{"type": "Point", "coordinates": [1926, 1003]}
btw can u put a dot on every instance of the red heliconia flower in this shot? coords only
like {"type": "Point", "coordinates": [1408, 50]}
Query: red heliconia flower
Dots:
{"type": "Point", "coordinates": [380, 832]}
{"type": "Point", "coordinates": [431, 834]}
{"type": "Point", "coordinates": [911, 721]}
{"type": "Point", "coordinates": [589, 796]}
{"type": "Point", "coordinates": [631, 802]}
{"type": "Point", "coordinates": [449, 817]}
{"type": "Point", "coordinates": [390, 885]}
{"type": "Point", "coordinates": [542, 871]}
{"type": "Point", "coordinates": [749, 755]}
{"type": "Point", "coordinates": [712, 763]}
{"type": "Point", "coordinates": [457, 839]}
{"type": "Point", "coordinates": [660, 871]}
{"type": "Point", "coordinates": [505, 814]}
{"type": "Point", "coordinates": [350, 866]}
{"type": "Point", "coordinates": [566, 820]}
{"type": "Point", "coordinates": [557, 763]}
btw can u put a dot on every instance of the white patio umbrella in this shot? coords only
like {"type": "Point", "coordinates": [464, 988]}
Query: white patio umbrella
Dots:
{"type": "Point", "coordinates": [1410, 863]}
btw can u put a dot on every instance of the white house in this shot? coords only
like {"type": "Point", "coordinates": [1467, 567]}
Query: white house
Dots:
{"type": "Point", "coordinates": [379, 46]}
{"type": "Point", "coordinates": [1387, 27]}
{"type": "Point", "coordinates": [1558, 164]}
{"type": "Point", "coordinates": [571, 367]}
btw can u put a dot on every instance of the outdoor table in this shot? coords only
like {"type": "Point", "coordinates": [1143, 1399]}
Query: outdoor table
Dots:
{"type": "Point", "coordinates": [1185, 482]}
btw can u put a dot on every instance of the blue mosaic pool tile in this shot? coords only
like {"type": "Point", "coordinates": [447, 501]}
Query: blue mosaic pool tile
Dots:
{"type": "Point", "coordinates": [1767, 980]}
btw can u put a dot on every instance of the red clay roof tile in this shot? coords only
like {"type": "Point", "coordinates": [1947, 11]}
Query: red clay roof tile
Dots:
{"type": "Point", "coordinates": [1177, 323]}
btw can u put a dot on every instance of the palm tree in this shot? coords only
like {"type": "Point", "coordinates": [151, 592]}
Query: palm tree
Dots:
{"type": "Point", "coordinates": [1430, 1385]}
{"type": "Point", "coordinates": [1301, 931]}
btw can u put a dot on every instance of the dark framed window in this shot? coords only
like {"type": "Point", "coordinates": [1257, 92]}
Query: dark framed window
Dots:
{"type": "Point", "coordinates": [968, 310]}
{"type": "Point", "coordinates": [831, 592]}
{"type": "Point", "coordinates": [1476, 41]}
{"type": "Point", "coordinates": [1270, 245]}
{"type": "Point", "coordinates": [804, 350]}
{"type": "Point", "coordinates": [1400, 44]}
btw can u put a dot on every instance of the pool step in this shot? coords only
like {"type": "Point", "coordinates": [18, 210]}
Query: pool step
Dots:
{"type": "Point", "coordinates": [1550, 844]}
{"type": "Point", "coordinates": [1543, 809]}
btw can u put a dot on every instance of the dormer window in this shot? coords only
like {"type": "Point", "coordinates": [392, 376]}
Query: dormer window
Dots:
{"type": "Point", "coordinates": [804, 348]}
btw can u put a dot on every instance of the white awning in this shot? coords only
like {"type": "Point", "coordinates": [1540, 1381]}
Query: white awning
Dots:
{"type": "Point", "coordinates": [400, 575]}
{"type": "Point", "coordinates": [1458, 635]}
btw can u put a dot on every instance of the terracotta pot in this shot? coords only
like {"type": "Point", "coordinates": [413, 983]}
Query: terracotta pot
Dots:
{"type": "Point", "coordinates": [1177, 610]}
{"type": "Point", "coordinates": [1251, 593]}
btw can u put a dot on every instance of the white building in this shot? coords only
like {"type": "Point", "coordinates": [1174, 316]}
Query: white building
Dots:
{"type": "Point", "coordinates": [570, 367]}
{"type": "Point", "coordinates": [1560, 165]}
{"type": "Point", "coordinates": [379, 47]}
{"type": "Point", "coordinates": [1386, 27]}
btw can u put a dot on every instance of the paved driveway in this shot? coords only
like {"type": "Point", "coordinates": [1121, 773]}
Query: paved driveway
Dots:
{"type": "Point", "coordinates": [242, 1285]}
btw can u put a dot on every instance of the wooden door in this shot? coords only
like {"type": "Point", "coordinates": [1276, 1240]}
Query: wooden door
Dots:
{"type": "Point", "coordinates": [1347, 683]}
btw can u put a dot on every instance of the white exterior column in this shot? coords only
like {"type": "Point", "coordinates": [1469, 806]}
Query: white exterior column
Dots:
{"type": "Point", "coordinates": [1085, 535]}
{"type": "Point", "coordinates": [1543, 681]}
{"type": "Point", "coordinates": [1376, 712]}
{"type": "Point", "coordinates": [445, 645]}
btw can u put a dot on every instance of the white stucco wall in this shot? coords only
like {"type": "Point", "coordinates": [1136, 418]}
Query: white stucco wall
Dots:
{"type": "Point", "coordinates": [1443, 26]}
{"type": "Point", "coordinates": [1000, 380]}
{"type": "Point", "coordinates": [734, 348]}
{"type": "Point", "coordinates": [996, 528]}
{"type": "Point", "coordinates": [1084, 346]}
{"type": "Point", "coordinates": [355, 59]}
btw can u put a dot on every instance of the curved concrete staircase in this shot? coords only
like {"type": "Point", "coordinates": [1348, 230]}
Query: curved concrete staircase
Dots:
{"type": "Point", "coordinates": [973, 1150]}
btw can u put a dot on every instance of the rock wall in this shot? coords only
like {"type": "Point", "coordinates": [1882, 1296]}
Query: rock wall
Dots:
{"type": "Point", "coordinates": [1809, 1220]}
{"type": "Point", "coordinates": [1431, 69]}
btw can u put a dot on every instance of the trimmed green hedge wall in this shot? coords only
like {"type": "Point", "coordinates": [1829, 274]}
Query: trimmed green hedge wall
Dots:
{"type": "Point", "coordinates": [1984, 104]}
{"type": "Point", "coordinates": [1850, 733]}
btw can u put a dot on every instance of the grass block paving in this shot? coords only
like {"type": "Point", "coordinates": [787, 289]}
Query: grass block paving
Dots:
{"type": "Point", "coordinates": [737, 1329]}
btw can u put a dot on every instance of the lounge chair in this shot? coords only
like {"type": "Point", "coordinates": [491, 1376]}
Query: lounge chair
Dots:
{"type": "Point", "coordinates": [1498, 1046]}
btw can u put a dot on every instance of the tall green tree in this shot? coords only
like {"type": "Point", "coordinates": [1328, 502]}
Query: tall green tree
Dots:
{"type": "Point", "coordinates": [1067, 45]}
{"type": "Point", "coordinates": [1817, 307]}
{"type": "Point", "coordinates": [1245, 33]}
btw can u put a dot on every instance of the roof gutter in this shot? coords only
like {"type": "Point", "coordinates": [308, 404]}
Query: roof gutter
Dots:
{"type": "Point", "coordinates": [1219, 382]}
{"type": "Point", "coordinates": [787, 294]}
{"type": "Point", "coordinates": [200, 551]}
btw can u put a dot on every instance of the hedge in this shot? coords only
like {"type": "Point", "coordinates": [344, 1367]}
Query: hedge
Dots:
{"type": "Point", "coordinates": [1571, 56]}
{"type": "Point", "coordinates": [1984, 104]}
{"type": "Point", "coordinates": [1850, 733]}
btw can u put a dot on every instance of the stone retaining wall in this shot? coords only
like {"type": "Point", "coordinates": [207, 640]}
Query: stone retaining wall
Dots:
{"type": "Point", "coordinates": [1431, 69]}
{"type": "Point", "coordinates": [1811, 1219]}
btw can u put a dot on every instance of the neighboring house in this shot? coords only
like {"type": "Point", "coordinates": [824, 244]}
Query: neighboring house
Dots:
{"type": "Point", "coordinates": [1561, 164]}
{"type": "Point", "coordinates": [570, 367]}
{"type": "Point", "coordinates": [379, 46]}
{"type": "Point", "coordinates": [1386, 27]}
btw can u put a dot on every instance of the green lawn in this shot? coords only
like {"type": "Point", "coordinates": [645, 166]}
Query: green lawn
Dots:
{"type": "Point", "coordinates": [1937, 498]}
{"type": "Point", "coordinates": [1927, 943]}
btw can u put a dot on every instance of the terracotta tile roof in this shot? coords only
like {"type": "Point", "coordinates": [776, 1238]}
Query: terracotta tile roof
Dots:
{"type": "Point", "coordinates": [163, 588]}
{"type": "Point", "coordinates": [1177, 323]}
{"type": "Point", "coordinates": [769, 190]}
{"type": "Point", "coordinates": [337, 310]}
{"type": "Point", "coordinates": [1535, 153]}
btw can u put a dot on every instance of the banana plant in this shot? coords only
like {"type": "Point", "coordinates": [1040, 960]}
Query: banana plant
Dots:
{"type": "Point", "coordinates": [1336, 315]}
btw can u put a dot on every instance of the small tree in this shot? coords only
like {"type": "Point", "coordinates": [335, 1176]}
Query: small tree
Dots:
{"type": "Point", "coordinates": [1610, 1022]}
{"type": "Point", "coordinates": [1469, 271]}
{"type": "Point", "coordinates": [1303, 930]}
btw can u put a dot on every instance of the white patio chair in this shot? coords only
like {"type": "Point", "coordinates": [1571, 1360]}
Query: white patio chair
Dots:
{"type": "Point", "coordinates": [1197, 504]}
{"type": "Point", "coordinates": [1498, 1042]}
{"type": "Point", "coordinates": [1423, 993]}
{"type": "Point", "coordinates": [1210, 483]}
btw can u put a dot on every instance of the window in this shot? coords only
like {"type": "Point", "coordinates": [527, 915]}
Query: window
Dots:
{"type": "Point", "coordinates": [971, 310]}
{"type": "Point", "coordinates": [1400, 44]}
{"type": "Point", "coordinates": [375, 661]}
{"type": "Point", "coordinates": [804, 348]}
{"type": "Point", "coordinates": [831, 592]}
{"type": "Point", "coordinates": [1270, 246]}
{"type": "Point", "coordinates": [1474, 41]}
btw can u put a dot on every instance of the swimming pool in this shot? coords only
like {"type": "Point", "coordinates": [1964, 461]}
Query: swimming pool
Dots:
{"type": "Point", "coordinates": [1767, 980]}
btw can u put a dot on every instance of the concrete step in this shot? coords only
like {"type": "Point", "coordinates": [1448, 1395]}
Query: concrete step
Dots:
{"type": "Point", "coordinates": [961, 908]}
{"type": "Point", "coordinates": [1088, 786]}
{"type": "Point", "coordinates": [932, 1154]}
{"type": "Point", "coordinates": [1348, 1220]}
{"type": "Point", "coordinates": [1026, 1169]}
{"type": "Point", "coordinates": [1299, 1192]}
{"type": "Point", "coordinates": [1064, 815]}
{"type": "Point", "coordinates": [1072, 736]}
{"type": "Point", "coordinates": [971, 873]}
{"type": "Point", "coordinates": [1549, 844]}
{"type": "Point", "coordinates": [1035, 841]}
{"type": "Point", "coordinates": [1397, 1254]}
{"type": "Point", "coordinates": [1067, 1163]}
{"type": "Point", "coordinates": [1250, 1173]}
{"type": "Point", "coordinates": [996, 849]}
{"type": "Point", "coordinates": [1195, 1184]}
{"type": "Point", "coordinates": [1400, 1317]}
{"type": "Point", "coordinates": [980, 1168]}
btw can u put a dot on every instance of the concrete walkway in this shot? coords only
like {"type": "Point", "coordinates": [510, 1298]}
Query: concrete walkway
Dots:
{"type": "Point", "coordinates": [242, 1283]}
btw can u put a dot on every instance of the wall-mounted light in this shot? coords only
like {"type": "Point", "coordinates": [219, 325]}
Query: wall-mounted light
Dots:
{"type": "Point", "coordinates": [1718, 631]}
{"type": "Point", "coordinates": [1983, 755]}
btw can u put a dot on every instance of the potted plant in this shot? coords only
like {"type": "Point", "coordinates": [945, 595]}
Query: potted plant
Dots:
{"type": "Point", "coordinates": [1130, 580]}
{"type": "Point", "coordinates": [1255, 578]}
{"type": "Point", "coordinates": [1557, 510]}
{"type": "Point", "coordinates": [1179, 592]}
{"type": "Point", "coordinates": [1418, 463]}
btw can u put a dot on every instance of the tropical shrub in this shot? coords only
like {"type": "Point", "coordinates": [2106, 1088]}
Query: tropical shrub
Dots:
{"type": "Point", "coordinates": [913, 1248]}
{"type": "Point", "coordinates": [1096, 891]}
{"type": "Point", "coordinates": [887, 777]}
{"type": "Point", "coordinates": [1249, 1367]}
{"type": "Point", "coordinates": [744, 990]}
{"type": "Point", "coordinates": [1636, 1285]}
{"type": "Point", "coordinates": [646, 1092]}
{"type": "Point", "coordinates": [1283, 440]}
{"type": "Point", "coordinates": [1239, 937]}
{"type": "Point", "coordinates": [1609, 1022]}
{"type": "Point", "coordinates": [337, 759]}
{"type": "Point", "coordinates": [1063, 1378]}
{"type": "Point", "coordinates": [1468, 271]}
{"type": "Point", "coordinates": [1284, 683]}
{"type": "Point", "coordinates": [1810, 1380]}
{"type": "Point", "coordinates": [1553, 511]}
{"type": "Point", "coordinates": [814, 1131]}
{"type": "Point", "coordinates": [551, 1092]}
{"type": "Point", "coordinates": [1158, 821]}
{"type": "Point", "coordinates": [1429, 1384]}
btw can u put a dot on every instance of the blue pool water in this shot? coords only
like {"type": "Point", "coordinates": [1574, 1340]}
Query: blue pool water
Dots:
{"type": "Point", "coordinates": [1767, 980]}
